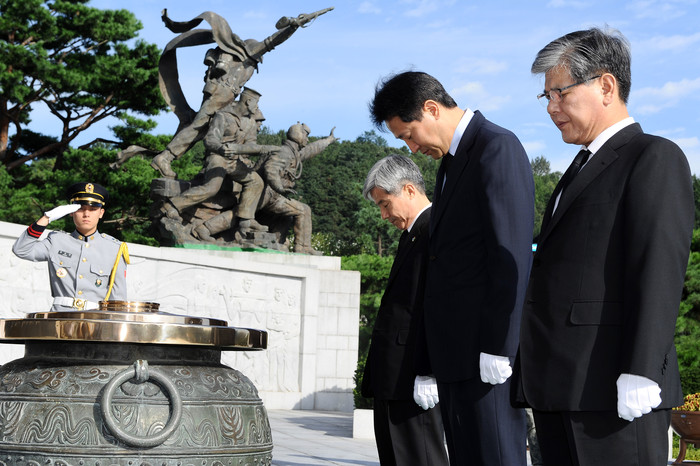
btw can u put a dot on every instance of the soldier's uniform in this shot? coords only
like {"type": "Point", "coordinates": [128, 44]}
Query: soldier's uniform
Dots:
{"type": "Point", "coordinates": [79, 266]}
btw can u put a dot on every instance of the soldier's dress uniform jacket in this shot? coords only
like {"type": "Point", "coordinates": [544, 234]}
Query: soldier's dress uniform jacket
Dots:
{"type": "Point", "coordinates": [79, 266]}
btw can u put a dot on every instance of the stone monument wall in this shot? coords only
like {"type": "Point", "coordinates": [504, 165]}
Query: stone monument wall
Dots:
{"type": "Point", "coordinates": [308, 306]}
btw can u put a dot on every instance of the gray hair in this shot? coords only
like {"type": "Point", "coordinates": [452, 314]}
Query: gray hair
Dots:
{"type": "Point", "coordinates": [589, 53]}
{"type": "Point", "coordinates": [391, 174]}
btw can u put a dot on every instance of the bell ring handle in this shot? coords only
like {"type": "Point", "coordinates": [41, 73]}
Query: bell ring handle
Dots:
{"type": "Point", "coordinates": [142, 374]}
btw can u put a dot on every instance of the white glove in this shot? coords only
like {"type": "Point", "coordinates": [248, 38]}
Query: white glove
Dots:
{"type": "Point", "coordinates": [61, 211]}
{"type": "Point", "coordinates": [636, 395]}
{"type": "Point", "coordinates": [425, 391]}
{"type": "Point", "coordinates": [494, 369]}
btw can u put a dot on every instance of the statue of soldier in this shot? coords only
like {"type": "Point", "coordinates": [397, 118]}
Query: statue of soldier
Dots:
{"type": "Point", "coordinates": [227, 219]}
{"type": "Point", "coordinates": [227, 156]}
{"type": "Point", "coordinates": [229, 66]}
{"type": "Point", "coordinates": [280, 170]}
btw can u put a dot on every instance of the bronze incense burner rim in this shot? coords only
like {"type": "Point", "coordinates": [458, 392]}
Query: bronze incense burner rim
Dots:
{"type": "Point", "coordinates": [130, 322]}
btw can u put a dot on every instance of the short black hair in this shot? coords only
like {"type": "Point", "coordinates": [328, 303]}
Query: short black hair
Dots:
{"type": "Point", "coordinates": [404, 94]}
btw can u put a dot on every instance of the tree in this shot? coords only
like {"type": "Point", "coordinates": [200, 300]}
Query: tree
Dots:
{"type": "Point", "coordinates": [545, 182]}
{"type": "Point", "coordinates": [74, 61]}
{"type": "Point", "coordinates": [696, 192]}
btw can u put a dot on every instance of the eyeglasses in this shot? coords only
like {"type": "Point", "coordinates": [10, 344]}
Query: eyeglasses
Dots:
{"type": "Point", "coordinates": [555, 94]}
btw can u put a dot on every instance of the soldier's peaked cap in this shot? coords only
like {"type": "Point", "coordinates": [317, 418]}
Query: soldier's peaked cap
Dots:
{"type": "Point", "coordinates": [88, 194]}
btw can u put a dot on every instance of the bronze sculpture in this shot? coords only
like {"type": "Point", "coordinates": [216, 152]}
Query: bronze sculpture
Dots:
{"type": "Point", "coordinates": [242, 196]}
{"type": "Point", "coordinates": [229, 67]}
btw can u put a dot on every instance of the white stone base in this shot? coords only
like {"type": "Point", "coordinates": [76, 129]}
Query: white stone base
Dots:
{"type": "Point", "coordinates": [308, 306]}
{"type": "Point", "coordinates": [363, 424]}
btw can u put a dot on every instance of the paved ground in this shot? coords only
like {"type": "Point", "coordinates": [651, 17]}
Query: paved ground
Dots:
{"type": "Point", "coordinates": [313, 438]}
{"type": "Point", "coordinates": [306, 438]}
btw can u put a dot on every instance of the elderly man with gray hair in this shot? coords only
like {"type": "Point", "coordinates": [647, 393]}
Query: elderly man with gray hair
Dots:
{"type": "Point", "coordinates": [407, 426]}
{"type": "Point", "coordinates": [597, 360]}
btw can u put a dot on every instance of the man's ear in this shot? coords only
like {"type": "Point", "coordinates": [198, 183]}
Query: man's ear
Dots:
{"type": "Point", "coordinates": [609, 88]}
{"type": "Point", "coordinates": [410, 190]}
{"type": "Point", "coordinates": [431, 107]}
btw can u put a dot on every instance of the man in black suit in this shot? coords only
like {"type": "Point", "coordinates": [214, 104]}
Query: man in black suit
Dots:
{"type": "Point", "coordinates": [479, 260]}
{"type": "Point", "coordinates": [597, 359]}
{"type": "Point", "coordinates": [406, 433]}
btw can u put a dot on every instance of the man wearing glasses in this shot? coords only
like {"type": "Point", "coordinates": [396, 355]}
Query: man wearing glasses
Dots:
{"type": "Point", "coordinates": [597, 361]}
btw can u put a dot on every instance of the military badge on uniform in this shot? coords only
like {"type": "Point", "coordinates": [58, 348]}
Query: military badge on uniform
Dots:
{"type": "Point", "coordinates": [60, 273]}
{"type": "Point", "coordinates": [98, 282]}
{"type": "Point", "coordinates": [89, 188]}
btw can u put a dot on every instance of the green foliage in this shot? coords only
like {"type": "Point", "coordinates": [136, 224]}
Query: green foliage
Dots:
{"type": "Point", "coordinates": [545, 182]}
{"type": "Point", "coordinates": [191, 162]}
{"type": "Point", "coordinates": [690, 380]}
{"type": "Point", "coordinates": [75, 60]}
{"type": "Point", "coordinates": [267, 137]}
{"type": "Point", "coordinates": [135, 131]}
{"type": "Point", "coordinates": [360, 401]}
{"type": "Point", "coordinates": [688, 324]}
{"type": "Point", "coordinates": [696, 193]}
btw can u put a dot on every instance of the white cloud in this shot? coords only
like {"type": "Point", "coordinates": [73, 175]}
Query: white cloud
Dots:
{"type": "Point", "coordinates": [663, 10]}
{"type": "Point", "coordinates": [369, 7]}
{"type": "Point", "coordinates": [481, 66]}
{"type": "Point", "coordinates": [676, 43]}
{"type": "Point", "coordinates": [654, 99]}
{"type": "Point", "coordinates": [534, 148]}
{"type": "Point", "coordinates": [420, 8]}
{"type": "Point", "coordinates": [475, 96]}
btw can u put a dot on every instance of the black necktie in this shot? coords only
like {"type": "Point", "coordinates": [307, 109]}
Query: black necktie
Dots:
{"type": "Point", "coordinates": [579, 161]}
{"type": "Point", "coordinates": [403, 239]}
{"type": "Point", "coordinates": [444, 165]}
{"type": "Point", "coordinates": [446, 161]}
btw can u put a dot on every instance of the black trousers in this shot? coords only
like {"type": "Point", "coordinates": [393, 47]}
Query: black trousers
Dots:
{"type": "Point", "coordinates": [601, 438]}
{"type": "Point", "coordinates": [406, 434]}
{"type": "Point", "coordinates": [481, 426]}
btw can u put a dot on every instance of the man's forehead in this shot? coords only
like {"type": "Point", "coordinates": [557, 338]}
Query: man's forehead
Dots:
{"type": "Point", "coordinates": [379, 194]}
{"type": "Point", "coordinates": [557, 75]}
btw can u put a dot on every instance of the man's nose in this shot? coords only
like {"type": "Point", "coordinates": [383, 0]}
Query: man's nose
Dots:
{"type": "Point", "coordinates": [413, 147]}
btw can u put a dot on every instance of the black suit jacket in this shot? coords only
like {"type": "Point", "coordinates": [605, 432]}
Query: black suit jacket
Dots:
{"type": "Point", "coordinates": [607, 278]}
{"type": "Point", "coordinates": [480, 251]}
{"type": "Point", "coordinates": [391, 369]}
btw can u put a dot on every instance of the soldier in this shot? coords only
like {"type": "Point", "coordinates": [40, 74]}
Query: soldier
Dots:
{"type": "Point", "coordinates": [227, 155]}
{"type": "Point", "coordinates": [85, 266]}
{"type": "Point", "coordinates": [280, 170]}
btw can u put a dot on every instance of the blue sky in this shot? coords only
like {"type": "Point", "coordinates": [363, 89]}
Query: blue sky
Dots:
{"type": "Point", "coordinates": [324, 75]}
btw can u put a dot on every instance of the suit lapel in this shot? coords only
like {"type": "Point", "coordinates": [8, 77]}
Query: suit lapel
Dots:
{"type": "Point", "coordinates": [602, 159]}
{"type": "Point", "coordinates": [461, 160]}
